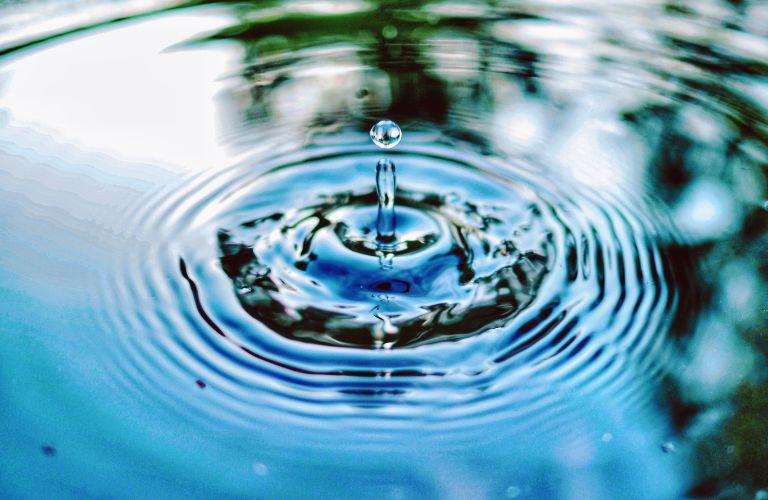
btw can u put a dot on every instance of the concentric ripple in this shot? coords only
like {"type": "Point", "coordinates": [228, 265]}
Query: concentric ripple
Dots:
{"type": "Point", "coordinates": [461, 263]}
{"type": "Point", "coordinates": [502, 291]}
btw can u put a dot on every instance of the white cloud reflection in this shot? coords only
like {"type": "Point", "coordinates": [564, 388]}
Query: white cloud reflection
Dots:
{"type": "Point", "coordinates": [127, 93]}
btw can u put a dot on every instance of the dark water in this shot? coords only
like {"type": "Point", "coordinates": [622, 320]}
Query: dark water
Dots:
{"type": "Point", "coordinates": [566, 296]}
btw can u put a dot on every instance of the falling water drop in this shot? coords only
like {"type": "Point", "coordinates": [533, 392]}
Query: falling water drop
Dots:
{"type": "Point", "coordinates": [386, 134]}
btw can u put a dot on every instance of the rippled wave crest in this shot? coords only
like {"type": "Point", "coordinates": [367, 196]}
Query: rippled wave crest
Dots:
{"type": "Point", "coordinates": [502, 279]}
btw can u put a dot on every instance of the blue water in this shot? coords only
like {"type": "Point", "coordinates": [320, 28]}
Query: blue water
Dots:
{"type": "Point", "coordinates": [212, 288]}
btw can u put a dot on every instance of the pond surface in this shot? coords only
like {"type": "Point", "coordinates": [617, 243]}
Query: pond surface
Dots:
{"type": "Point", "coordinates": [551, 283]}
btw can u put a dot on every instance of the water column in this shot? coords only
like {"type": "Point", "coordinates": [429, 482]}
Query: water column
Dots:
{"type": "Point", "coordinates": [386, 134]}
{"type": "Point", "coordinates": [385, 188]}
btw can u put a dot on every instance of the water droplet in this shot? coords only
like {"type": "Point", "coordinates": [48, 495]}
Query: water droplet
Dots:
{"type": "Point", "coordinates": [362, 93]}
{"type": "Point", "coordinates": [386, 134]}
{"type": "Point", "coordinates": [607, 437]}
{"type": "Point", "coordinates": [513, 492]}
{"type": "Point", "coordinates": [761, 495]}
{"type": "Point", "coordinates": [260, 469]}
{"type": "Point", "coordinates": [668, 447]}
{"type": "Point", "coordinates": [48, 451]}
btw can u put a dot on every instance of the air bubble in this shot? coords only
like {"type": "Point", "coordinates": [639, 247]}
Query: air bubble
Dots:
{"type": "Point", "coordinates": [386, 134]}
